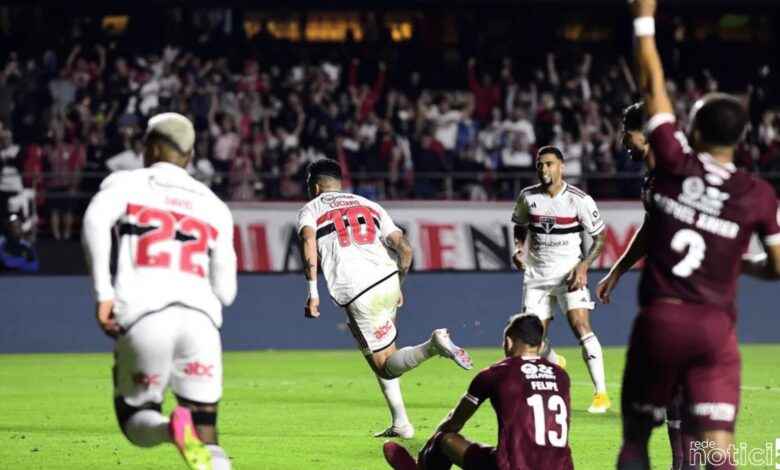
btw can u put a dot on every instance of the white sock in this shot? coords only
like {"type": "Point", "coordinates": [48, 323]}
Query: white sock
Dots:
{"type": "Point", "coordinates": [147, 428]}
{"type": "Point", "coordinates": [406, 359]}
{"type": "Point", "coordinates": [591, 354]}
{"type": "Point", "coordinates": [391, 389]}
{"type": "Point", "coordinates": [547, 351]}
{"type": "Point", "coordinates": [219, 459]}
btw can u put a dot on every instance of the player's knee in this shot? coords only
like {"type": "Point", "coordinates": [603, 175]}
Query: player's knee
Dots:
{"type": "Point", "coordinates": [124, 412]}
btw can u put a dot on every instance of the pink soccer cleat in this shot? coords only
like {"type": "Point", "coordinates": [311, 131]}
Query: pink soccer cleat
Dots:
{"type": "Point", "coordinates": [184, 437]}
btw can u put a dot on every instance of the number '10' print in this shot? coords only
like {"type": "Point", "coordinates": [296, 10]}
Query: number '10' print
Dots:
{"type": "Point", "coordinates": [355, 232]}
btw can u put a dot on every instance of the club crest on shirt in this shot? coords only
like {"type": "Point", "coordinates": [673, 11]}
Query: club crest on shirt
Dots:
{"type": "Point", "coordinates": [547, 223]}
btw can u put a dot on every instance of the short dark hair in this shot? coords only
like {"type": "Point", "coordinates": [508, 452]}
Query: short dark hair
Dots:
{"type": "Point", "coordinates": [526, 328]}
{"type": "Point", "coordinates": [550, 149]}
{"type": "Point", "coordinates": [634, 117]}
{"type": "Point", "coordinates": [719, 118]}
{"type": "Point", "coordinates": [324, 168]}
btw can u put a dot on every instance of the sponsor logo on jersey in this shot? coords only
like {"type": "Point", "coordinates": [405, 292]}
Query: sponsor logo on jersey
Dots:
{"type": "Point", "coordinates": [331, 198]}
{"type": "Point", "coordinates": [144, 380]}
{"type": "Point", "coordinates": [537, 372]}
{"type": "Point", "coordinates": [383, 330]}
{"type": "Point", "coordinates": [547, 223]}
{"type": "Point", "coordinates": [198, 369]}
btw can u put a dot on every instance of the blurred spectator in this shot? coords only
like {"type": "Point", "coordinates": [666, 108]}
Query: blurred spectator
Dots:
{"type": "Point", "coordinates": [131, 158]}
{"type": "Point", "coordinates": [10, 166]}
{"type": "Point", "coordinates": [65, 162]}
{"type": "Point", "coordinates": [16, 253]}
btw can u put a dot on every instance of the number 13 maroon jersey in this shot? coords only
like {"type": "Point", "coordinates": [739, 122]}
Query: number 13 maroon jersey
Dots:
{"type": "Point", "coordinates": [703, 214]}
{"type": "Point", "coordinates": [531, 399]}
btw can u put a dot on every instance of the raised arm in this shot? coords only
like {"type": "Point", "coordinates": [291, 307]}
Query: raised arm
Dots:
{"type": "Point", "coordinates": [649, 67]}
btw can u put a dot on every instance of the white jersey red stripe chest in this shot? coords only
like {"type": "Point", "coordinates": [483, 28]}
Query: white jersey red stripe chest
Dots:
{"type": "Point", "coordinates": [555, 224]}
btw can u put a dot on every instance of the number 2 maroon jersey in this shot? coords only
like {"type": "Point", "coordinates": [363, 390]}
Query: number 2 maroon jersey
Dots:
{"type": "Point", "coordinates": [531, 398]}
{"type": "Point", "coordinates": [703, 214]}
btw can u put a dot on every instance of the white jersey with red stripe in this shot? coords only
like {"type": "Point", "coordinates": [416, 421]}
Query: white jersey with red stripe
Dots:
{"type": "Point", "coordinates": [351, 233]}
{"type": "Point", "coordinates": [554, 225]}
{"type": "Point", "coordinates": [175, 244]}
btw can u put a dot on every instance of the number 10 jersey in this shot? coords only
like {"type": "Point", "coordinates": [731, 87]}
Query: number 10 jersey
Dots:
{"type": "Point", "coordinates": [351, 233]}
{"type": "Point", "coordinates": [702, 215]}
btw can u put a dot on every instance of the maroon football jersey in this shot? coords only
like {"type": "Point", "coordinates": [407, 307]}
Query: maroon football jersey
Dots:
{"type": "Point", "coordinates": [531, 399]}
{"type": "Point", "coordinates": [703, 214]}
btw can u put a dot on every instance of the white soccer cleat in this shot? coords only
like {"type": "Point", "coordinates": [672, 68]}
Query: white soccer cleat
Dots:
{"type": "Point", "coordinates": [446, 348]}
{"type": "Point", "coordinates": [406, 432]}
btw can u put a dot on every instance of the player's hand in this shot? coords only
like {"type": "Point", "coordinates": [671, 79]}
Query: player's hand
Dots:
{"type": "Point", "coordinates": [642, 7]}
{"type": "Point", "coordinates": [311, 310]}
{"type": "Point", "coordinates": [104, 312]}
{"type": "Point", "coordinates": [605, 287]}
{"type": "Point", "coordinates": [578, 277]}
{"type": "Point", "coordinates": [400, 300]}
{"type": "Point", "coordinates": [517, 259]}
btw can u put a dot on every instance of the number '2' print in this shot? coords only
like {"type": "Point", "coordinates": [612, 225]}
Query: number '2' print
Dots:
{"type": "Point", "coordinates": [163, 225]}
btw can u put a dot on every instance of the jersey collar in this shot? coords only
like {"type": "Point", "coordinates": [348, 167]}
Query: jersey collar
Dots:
{"type": "Point", "coordinates": [167, 166]}
{"type": "Point", "coordinates": [707, 158]}
{"type": "Point", "coordinates": [563, 189]}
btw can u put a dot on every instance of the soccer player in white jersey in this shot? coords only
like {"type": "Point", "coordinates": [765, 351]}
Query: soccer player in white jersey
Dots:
{"type": "Point", "coordinates": [555, 213]}
{"type": "Point", "coordinates": [175, 270]}
{"type": "Point", "coordinates": [350, 236]}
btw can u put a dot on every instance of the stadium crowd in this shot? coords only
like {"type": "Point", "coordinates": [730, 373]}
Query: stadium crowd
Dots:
{"type": "Point", "coordinates": [69, 117]}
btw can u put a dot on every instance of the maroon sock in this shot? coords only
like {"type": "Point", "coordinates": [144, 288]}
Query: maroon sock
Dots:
{"type": "Point", "coordinates": [431, 457]}
{"type": "Point", "coordinates": [633, 457]}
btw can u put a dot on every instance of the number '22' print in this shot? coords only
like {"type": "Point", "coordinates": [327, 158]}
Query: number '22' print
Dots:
{"type": "Point", "coordinates": [164, 227]}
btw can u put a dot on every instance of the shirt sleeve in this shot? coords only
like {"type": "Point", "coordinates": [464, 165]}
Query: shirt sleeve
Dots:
{"type": "Point", "coordinates": [223, 263]}
{"type": "Point", "coordinates": [480, 388]}
{"type": "Point", "coordinates": [386, 224]}
{"type": "Point", "coordinates": [305, 219]}
{"type": "Point", "coordinates": [103, 212]}
{"type": "Point", "coordinates": [670, 147]}
{"type": "Point", "coordinates": [768, 227]}
{"type": "Point", "coordinates": [590, 217]}
{"type": "Point", "coordinates": [521, 215]}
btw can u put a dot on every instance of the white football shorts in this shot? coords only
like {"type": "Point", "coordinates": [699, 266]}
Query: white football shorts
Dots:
{"type": "Point", "coordinates": [177, 347]}
{"type": "Point", "coordinates": [371, 316]}
{"type": "Point", "coordinates": [541, 300]}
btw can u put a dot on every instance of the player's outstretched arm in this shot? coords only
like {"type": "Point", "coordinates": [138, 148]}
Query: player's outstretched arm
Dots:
{"type": "Point", "coordinates": [764, 266]}
{"type": "Point", "coordinates": [459, 415]}
{"type": "Point", "coordinates": [308, 238]}
{"type": "Point", "coordinates": [398, 242]}
{"type": "Point", "coordinates": [650, 69]}
{"type": "Point", "coordinates": [636, 251]}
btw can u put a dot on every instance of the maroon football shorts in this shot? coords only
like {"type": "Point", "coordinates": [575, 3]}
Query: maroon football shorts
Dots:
{"type": "Point", "coordinates": [692, 345]}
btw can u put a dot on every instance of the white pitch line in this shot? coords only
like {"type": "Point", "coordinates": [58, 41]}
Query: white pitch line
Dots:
{"type": "Point", "coordinates": [748, 388]}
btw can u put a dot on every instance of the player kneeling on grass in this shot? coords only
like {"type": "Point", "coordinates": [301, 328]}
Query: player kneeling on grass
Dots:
{"type": "Point", "coordinates": [531, 398]}
{"type": "Point", "coordinates": [350, 235]}
{"type": "Point", "coordinates": [176, 268]}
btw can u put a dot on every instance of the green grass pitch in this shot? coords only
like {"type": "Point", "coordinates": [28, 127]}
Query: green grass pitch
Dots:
{"type": "Point", "coordinates": [312, 410]}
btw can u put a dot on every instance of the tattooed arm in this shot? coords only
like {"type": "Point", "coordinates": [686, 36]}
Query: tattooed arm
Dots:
{"type": "Point", "coordinates": [578, 278]}
{"type": "Point", "coordinates": [397, 242]}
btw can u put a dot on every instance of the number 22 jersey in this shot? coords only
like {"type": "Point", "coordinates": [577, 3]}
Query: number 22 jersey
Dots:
{"type": "Point", "coordinates": [175, 244]}
{"type": "Point", "coordinates": [351, 233]}
{"type": "Point", "coordinates": [703, 214]}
